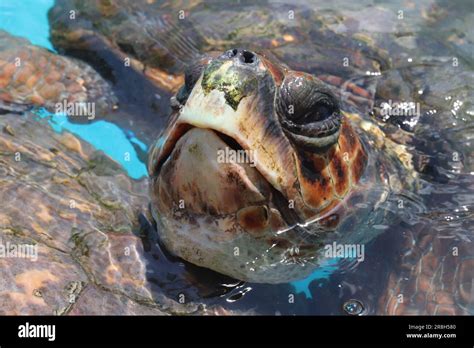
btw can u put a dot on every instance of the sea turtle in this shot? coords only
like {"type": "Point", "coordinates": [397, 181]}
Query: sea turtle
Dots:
{"type": "Point", "coordinates": [266, 217]}
{"type": "Point", "coordinates": [323, 169]}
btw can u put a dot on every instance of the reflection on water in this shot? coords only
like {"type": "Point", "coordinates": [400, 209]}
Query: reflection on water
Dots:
{"type": "Point", "coordinates": [429, 45]}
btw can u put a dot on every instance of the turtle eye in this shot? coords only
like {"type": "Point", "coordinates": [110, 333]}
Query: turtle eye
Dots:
{"type": "Point", "coordinates": [308, 111]}
{"type": "Point", "coordinates": [191, 75]}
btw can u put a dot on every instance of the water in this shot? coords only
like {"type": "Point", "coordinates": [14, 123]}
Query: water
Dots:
{"type": "Point", "coordinates": [97, 133]}
{"type": "Point", "coordinates": [430, 45]}
{"type": "Point", "coordinates": [28, 19]}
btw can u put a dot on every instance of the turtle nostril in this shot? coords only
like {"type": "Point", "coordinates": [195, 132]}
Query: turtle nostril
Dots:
{"type": "Point", "coordinates": [248, 57]}
{"type": "Point", "coordinates": [231, 53]}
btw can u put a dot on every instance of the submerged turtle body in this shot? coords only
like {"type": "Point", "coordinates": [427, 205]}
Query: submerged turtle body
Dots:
{"type": "Point", "coordinates": [265, 221]}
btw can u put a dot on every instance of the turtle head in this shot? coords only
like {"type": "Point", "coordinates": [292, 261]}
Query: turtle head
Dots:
{"type": "Point", "coordinates": [252, 149]}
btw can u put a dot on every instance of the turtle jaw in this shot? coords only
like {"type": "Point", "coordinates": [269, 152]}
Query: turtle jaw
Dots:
{"type": "Point", "coordinates": [209, 177]}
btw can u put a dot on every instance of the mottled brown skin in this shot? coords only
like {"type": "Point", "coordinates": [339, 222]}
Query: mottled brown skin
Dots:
{"type": "Point", "coordinates": [326, 178]}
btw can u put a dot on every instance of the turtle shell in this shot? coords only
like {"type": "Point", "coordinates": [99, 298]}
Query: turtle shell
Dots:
{"type": "Point", "coordinates": [31, 75]}
{"type": "Point", "coordinates": [69, 235]}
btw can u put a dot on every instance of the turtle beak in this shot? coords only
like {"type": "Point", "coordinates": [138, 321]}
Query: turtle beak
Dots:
{"type": "Point", "coordinates": [206, 175]}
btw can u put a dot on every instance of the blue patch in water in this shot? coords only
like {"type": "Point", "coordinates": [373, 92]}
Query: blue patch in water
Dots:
{"type": "Point", "coordinates": [104, 136]}
{"type": "Point", "coordinates": [28, 19]}
{"type": "Point", "coordinates": [323, 272]}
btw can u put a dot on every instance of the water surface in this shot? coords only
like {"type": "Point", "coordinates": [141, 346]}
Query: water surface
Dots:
{"type": "Point", "coordinates": [430, 44]}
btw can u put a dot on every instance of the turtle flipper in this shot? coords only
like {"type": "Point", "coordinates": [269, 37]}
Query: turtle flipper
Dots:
{"type": "Point", "coordinates": [101, 53]}
{"type": "Point", "coordinates": [34, 76]}
{"type": "Point", "coordinates": [435, 277]}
